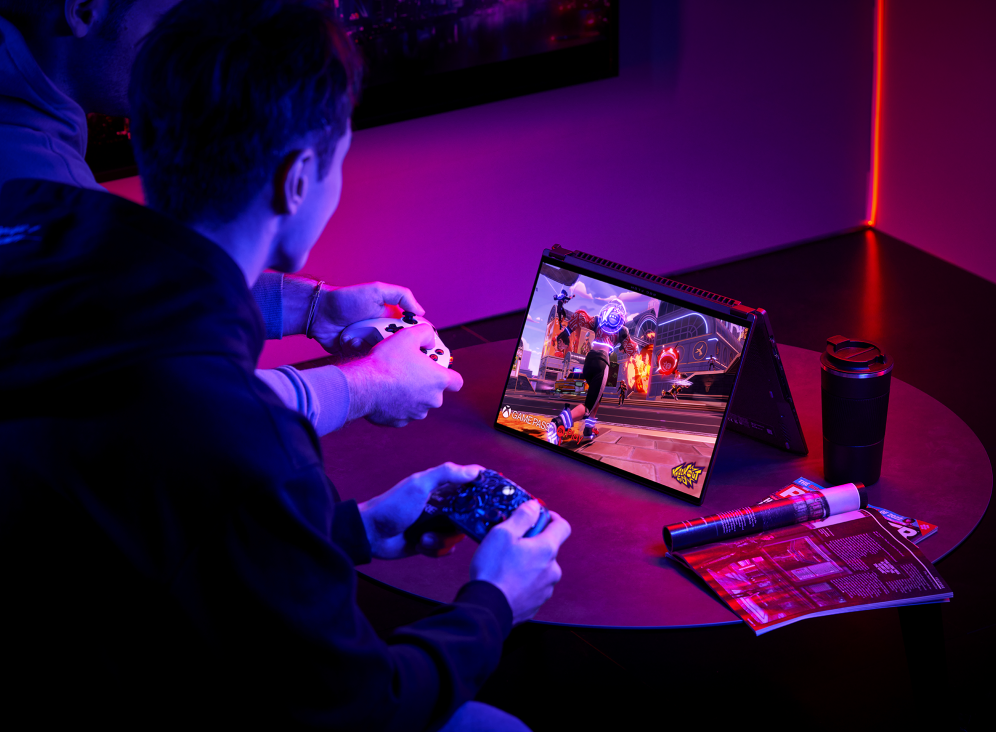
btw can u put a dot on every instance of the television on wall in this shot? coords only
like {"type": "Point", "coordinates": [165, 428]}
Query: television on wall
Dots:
{"type": "Point", "coordinates": [424, 57]}
{"type": "Point", "coordinates": [430, 56]}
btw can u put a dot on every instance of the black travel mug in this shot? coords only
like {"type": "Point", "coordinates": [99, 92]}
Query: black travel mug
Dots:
{"type": "Point", "coordinates": [855, 379]}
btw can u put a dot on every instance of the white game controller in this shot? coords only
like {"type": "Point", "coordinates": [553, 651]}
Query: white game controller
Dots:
{"type": "Point", "coordinates": [357, 339]}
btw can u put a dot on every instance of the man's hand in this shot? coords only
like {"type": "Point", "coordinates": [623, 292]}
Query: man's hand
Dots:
{"type": "Point", "coordinates": [396, 382]}
{"type": "Point", "coordinates": [386, 516]}
{"type": "Point", "coordinates": [524, 569]}
{"type": "Point", "coordinates": [341, 306]}
{"type": "Point", "coordinates": [393, 384]}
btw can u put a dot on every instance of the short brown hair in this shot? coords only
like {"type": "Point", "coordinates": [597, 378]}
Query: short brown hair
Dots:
{"type": "Point", "coordinates": [221, 88]}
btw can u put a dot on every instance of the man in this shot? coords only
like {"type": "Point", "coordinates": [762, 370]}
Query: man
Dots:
{"type": "Point", "coordinates": [172, 552]}
{"type": "Point", "coordinates": [61, 57]}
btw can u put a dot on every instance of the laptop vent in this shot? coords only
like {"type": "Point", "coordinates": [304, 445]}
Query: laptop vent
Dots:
{"type": "Point", "coordinates": [728, 301]}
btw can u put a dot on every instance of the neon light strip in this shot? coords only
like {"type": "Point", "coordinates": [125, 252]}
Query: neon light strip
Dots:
{"type": "Point", "coordinates": [876, 152]}
{"type": "Point", "coordinates": [704, 321]}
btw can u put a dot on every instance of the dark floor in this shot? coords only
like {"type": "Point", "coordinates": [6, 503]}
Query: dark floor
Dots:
{"type": "Point", "coordinates": [840, 672]}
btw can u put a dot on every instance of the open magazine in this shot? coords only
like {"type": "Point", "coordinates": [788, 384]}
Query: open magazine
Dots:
{"type": "Point", "coordinates": [908, 528]}
{"type": "Point", "coordinates": [842, 563]}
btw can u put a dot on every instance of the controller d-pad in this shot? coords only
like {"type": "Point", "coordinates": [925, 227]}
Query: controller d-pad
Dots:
{"type": "Point", "coordinates": [409, 317]}
{"type": "Point", "coordinates": [394, 328]}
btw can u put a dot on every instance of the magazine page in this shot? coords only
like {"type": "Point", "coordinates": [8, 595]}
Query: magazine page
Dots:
{"type": "Point", "coordinates": [908, 528]}
{"type": "Point", "coordinates": [852, 561]}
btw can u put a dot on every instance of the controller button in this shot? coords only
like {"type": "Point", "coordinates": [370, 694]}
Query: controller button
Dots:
{"type": "Point", "coordinates": [394, 328]}
{"type": "Point", "coordinates": [433, 356]}
{"type": "Point", "coordinates": [423, 350]}
{"type": "Point", "coordinates": [439, 351]}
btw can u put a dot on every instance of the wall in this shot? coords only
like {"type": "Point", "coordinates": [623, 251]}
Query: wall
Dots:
{"type": "Point", "coordinates": [938, 152]}
{"type": "Point", "coordinates": [733, 128]}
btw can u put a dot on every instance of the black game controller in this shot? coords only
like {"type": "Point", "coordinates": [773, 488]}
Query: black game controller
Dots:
{"type": "Point", "coordinates": [473, 508]}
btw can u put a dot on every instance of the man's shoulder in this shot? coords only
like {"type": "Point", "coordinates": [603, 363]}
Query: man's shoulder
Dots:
{"type": "Point", "coordinates": [44, 199]}
{"type": "Point", "coordinates": [137, 279]}
{"type": "Point", "coordinates": [217, 408]}
{"type": "Point", "coordinates": [64, 214]}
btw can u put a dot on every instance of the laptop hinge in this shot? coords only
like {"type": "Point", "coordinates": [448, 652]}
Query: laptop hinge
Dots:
{"type": "Point", "coordinates": [558, 252]}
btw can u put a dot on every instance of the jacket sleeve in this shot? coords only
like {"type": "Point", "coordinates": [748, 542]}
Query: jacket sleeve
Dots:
{"type": "Point", "coordinates": [268, 292]}
{"type": "Point", "coordinates": [320, 394]}
{"type": "Point", "coordinates": [275, 594]}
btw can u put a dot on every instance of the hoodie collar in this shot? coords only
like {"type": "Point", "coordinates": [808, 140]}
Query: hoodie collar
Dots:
{"type": "Point", "coordinates": [29, 99]}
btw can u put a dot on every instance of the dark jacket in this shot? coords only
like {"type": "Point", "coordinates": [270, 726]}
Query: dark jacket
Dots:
{"type": "Point", "coordinates": [172, 551]}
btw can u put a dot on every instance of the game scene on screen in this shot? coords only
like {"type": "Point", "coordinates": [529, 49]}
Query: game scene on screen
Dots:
{"type": "Point", "coordinates": [632, 381]}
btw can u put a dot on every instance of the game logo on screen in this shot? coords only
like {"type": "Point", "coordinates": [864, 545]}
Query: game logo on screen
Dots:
{"type": "Point", "coordinates": [622, 378]}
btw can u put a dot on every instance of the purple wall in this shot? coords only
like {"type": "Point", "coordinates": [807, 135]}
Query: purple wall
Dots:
{"type": "Point", "coordinates": [733, 128]}
{"type": "Point", "coordinates": [938, 153]}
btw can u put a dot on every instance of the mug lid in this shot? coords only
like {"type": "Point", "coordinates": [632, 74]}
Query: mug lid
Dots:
{"type": "Point", "coordinates": [855, 357]}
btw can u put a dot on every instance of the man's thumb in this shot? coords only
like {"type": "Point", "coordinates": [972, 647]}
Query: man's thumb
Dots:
{"type": "Point", "coordinates": [523, 518]}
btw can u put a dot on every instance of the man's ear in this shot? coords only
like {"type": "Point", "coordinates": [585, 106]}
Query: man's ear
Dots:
{"type": "Point", "coordinates": [292, 183]}
{"type": "Point", "coordinates": [85, 16]}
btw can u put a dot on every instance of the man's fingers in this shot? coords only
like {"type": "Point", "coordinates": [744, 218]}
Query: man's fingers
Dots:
{"type": "Point", "coordinates": [427, 334]}
{"type": "Point", "coordinates": [422, 334]}
{"type": "Point", "coordinates": [433, 544]}
{"type": "Point", "coordinates": [400, 296]}
{"type": "Point", "coordinates": [450, 473]}
{"type": "Point", "coordinates": [557, 530]}
{"type": "Point", "coordinates": [408, 302]}
{"type": "Point", "coordinates": [455, 381]}
{"type": "Point", "coordinates": [393, 547]}
{"type": "Point", "coordinates": [523, 518]}
{"type": "Point", "coordinates": [555, 573]}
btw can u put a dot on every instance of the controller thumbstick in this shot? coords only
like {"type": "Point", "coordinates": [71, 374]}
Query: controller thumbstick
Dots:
{"type": "Point", "coordinates": [409, 317]}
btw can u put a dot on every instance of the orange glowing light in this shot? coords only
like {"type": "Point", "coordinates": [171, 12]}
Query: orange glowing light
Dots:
{"type": "Point", "coordinates": [876, 152]}
{"type": "Point", "coordinates": [873, 296]}
{"type": "Point", "coordinates": [637, 371]}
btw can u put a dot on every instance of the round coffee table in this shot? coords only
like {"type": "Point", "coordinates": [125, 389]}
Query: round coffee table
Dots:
{"type": "Point", "coordinates": [615, 572]}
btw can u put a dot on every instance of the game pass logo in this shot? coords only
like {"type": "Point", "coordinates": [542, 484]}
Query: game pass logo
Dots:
{"type": "Point", "coordinates": [533, 420]}
{"type": "Point", "coordinates": [687, 474]}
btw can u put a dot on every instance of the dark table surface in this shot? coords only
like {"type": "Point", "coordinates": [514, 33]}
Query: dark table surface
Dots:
{"type": "Point", "coordinates": [615, 573]}
{"type": "Point", "coordinates": [931, 316]}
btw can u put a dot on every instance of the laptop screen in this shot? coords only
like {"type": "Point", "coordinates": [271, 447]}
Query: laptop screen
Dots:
{"type": "Point", "coordinates": [635, 382]}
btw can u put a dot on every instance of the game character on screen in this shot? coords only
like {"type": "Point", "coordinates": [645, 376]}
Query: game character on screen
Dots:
{"type": "Point", "coordinates": [624, 390]}
{"type": "Point", "coordinates": [562, 299]}
{"type": "Point", "coordinates": [667, 366]}
{"type": "Point", "coordinates": [610, 333]}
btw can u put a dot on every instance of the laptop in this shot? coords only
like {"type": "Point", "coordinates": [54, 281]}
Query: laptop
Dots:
{"type": "Point", "coordinates": [639, 375]}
